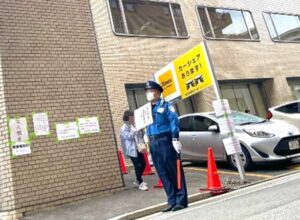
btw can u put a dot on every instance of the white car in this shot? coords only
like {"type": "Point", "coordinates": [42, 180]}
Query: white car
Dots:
{"type": "Point", "coordinates": [261, 140]}
{"type": "Point", "coordinates": [288, 112]}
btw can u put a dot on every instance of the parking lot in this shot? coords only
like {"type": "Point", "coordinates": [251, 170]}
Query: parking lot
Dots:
{"type": "Point", "coordinates": [259, 171]}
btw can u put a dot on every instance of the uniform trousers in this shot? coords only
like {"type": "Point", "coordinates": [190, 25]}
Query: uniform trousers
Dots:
{"type": "Point", "coordinates": [164, 158]}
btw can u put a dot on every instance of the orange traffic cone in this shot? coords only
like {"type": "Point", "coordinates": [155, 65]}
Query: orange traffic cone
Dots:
{"type": "Point", "coordinates": [213, 181]}
{"type": "Point", "coordinates": [122, 162]}
{"type": "Point", "coordinates": [158, 184]}
{"type": "Point", "coordinates": [148, 169]}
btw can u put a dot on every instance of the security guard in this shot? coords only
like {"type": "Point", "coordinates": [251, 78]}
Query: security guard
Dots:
{"type": "Point", "coordinates": [165, 147]}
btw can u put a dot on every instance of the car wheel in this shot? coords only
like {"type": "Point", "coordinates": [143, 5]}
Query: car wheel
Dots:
{"type": "Point", "coordinates": [245, 158]}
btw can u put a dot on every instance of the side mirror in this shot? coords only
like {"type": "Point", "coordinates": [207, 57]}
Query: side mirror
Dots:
{"type": "Point", "coordinates": [213, 128]}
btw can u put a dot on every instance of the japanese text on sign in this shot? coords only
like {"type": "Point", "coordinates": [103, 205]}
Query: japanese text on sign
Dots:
{"type": "Point", "coordinates": [221, 107]}
{"type": "Point", "coordinates": [18, 130]}
{"type": "Point", "coordinates": [41, 124]}
{"type": "Point", "coordinates": [67, 131]}
{"type": "Point", "coordinates": [143, 116]}
{"type": "Point", "coordinates": [21, 149]}
{"type": "Point", "coordinates": [226, 125]}
{"type": "Point", "coordinates": [193, 71]}
{"type": "Point", "coordinates": [19, 137]}
{"type": "Point", "coordinates": [88, 125]}
{"type": "Point", "coordinates": [232, 145]}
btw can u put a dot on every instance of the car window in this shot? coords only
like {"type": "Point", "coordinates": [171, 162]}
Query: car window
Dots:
{"type": "Point", "coordinates": [240, 118]}
{"type": "Point", "coordinates": [202, 123]}
{"type": "Point", "coordinates": [281, 109]}
{"type": "Point", "coordinates": [185, 124]}
{"type": "Point", "coordinates": [290, 108]}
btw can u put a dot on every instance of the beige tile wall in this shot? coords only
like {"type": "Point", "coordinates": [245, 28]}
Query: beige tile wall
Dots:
{"type": "Point", "coordinates": [135, 59]}
{"type": "Point", "coordinates": [50, 62]}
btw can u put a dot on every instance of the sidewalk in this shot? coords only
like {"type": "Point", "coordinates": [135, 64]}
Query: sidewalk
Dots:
{"type": "Point", "coordinates": [128, 200]}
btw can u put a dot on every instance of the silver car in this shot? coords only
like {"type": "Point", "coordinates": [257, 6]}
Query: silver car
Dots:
{"type": "Point", "coordinates": [261, 140]}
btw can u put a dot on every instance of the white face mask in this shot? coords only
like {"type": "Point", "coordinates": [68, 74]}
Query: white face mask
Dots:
{"type": "Point", "coordinates": [150, 96]}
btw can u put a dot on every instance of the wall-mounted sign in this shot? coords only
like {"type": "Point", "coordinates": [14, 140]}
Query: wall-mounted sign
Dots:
{"type": "Point", "coordinates": [21, 149]}
{"type": "Point", "coordinates": [88, 125]}
{"type": "Point", "coordinates": [19, 139]}
{"type": "Point", "coordinates": [40, 124]}
{"type": "Point", "coordinates": [67, 131]}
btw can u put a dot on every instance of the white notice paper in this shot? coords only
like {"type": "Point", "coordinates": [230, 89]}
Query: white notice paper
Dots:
{"type": "Point", "coordinates": [232, 145]}
{"type": "Point", "coordinates": [221, 107]}
{"type": "Point", "coordinates": [41, 124]}
{"type": "Point", "coordinates": [19, 136]}
{"type": "Point", "coordinates": [88, 125]}
{"type": "Point", "coordinates": [21, 149]}
{"type": "Point", "coordinates": [226, 125]}
{"type": "Point", "coordinates": [67, 131]}
{"type": "Point", "coordinates": [143, 116]}
{"type": "Point", "coordinates": [18, 130]}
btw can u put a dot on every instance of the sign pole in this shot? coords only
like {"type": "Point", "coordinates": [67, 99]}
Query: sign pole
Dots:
{"type": "Point", "coordinates": [219, 97]}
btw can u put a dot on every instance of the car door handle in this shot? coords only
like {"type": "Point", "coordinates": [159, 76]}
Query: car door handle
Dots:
{"type": "Point", "coordinates": [193, 137]}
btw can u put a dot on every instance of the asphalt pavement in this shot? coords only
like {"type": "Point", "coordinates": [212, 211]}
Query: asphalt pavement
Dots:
{"type": "Point", "coordinates": [275, 199]}
{"type": "Point", "coordinates": [261, 171]}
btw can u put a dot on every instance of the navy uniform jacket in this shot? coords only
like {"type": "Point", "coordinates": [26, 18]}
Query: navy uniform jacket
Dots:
{"type": "Point", "coordinates": [165, 119]}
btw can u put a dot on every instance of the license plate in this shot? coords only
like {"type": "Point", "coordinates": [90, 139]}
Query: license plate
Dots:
{"type": "Point", "coordinates": [293, 145]}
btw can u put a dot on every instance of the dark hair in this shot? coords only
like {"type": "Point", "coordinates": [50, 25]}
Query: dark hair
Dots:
{"type": "Point", "coordinates": [127, 114]}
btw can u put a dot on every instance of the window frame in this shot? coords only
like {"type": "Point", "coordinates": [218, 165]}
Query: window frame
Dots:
{"type": "Point", "coordinates": [204, 117]}
{"type": "Point", "coordinates": [279, 109]}
{"type": "Point", "coordinates": [290, 81]}
{"type": "Point", "coordinates": [188, 99]}
{"type": "Point", "coordinates": [248, 82]}
{"type": "Point", "coordinates": [226, 8]}
{"type": "Point", "coordinates": [133, 87]}
{"type": "Point", "coordinates": [143, 35]}
{"type": "Point", "coordinates": [190, 118]}
{"type": "Point", "coordinates": [277, 13]}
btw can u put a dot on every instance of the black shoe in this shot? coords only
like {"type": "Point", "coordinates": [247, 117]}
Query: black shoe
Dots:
{"type": "Point", "coordinates": [168, 209]}
{"type": "Point", "coordinates": [178, 207]}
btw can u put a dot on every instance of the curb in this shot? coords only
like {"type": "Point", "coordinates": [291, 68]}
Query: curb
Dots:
{"type": "Point", "coordinates": [192, 198]}
{"type": "Point", "coordinates": [266, 180]}
{"type": "Point", "coordinates": [157, 208]}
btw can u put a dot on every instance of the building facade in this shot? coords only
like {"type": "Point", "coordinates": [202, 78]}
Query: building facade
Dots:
{"type": "Point", "coordinates": [254, 46]}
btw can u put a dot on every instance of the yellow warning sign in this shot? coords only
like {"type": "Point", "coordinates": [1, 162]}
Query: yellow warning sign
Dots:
{"type": "Point", "coordinates": [193, 71]}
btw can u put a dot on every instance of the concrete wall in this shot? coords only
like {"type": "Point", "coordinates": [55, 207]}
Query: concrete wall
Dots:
{"type": "Point", "coordinates": [135, 59]}
{"type": "Point", "coordinates": [50, 62]}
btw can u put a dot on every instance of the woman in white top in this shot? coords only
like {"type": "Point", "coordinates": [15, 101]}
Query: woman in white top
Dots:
{"type": "Point", "coordinates": [129, 139]}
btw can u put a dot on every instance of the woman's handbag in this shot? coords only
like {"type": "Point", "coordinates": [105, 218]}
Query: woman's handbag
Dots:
{"type": "Point", "coordinates": [141, 147]}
